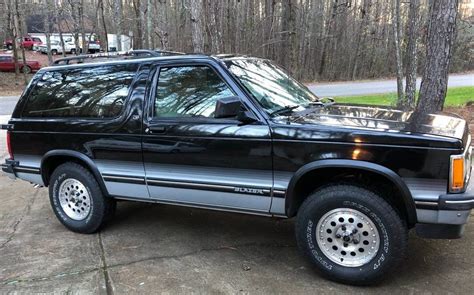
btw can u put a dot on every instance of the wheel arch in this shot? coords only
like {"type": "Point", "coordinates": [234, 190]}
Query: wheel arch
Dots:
{"type": "Point", "coordinates": [54, 158]}
{"type": "Point", "coordinates": [293, 200]}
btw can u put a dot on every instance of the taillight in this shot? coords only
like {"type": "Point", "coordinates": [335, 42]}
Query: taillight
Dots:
{"type": "Point", "coordinates": [9, 145]}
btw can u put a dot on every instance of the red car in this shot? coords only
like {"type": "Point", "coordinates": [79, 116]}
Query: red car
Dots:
{"type": "Point", "coordinates": [8, 65]}
{"type": "Point", "coordinates": [25, 42]}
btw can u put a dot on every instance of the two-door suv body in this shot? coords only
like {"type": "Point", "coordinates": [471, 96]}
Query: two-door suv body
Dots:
{"type": "Point", "coordinates": [239, 134]}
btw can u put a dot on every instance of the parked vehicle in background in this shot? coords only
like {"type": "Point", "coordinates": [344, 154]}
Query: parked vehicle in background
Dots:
{"type": "Point", "coordinates": [7, 64]}
{"type": "Point", "coordinates": [93, 47]}
{"type": "Point", "coordinates": [112, 42]}
{"type": "Point", "coordinates": [56, 47]}
{"type": "Point", "coordinates": [25, 42]}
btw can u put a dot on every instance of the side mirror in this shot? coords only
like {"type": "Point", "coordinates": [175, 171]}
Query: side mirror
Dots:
{"type": "Point", "coordinates": [246, 117]}
{"type": "Point", "coordinates": [232, 107]}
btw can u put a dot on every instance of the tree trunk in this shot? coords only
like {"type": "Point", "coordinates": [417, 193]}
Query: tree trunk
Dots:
{"type": "Point", "coordinates": [411, 56]}
{"type": "Point", "coordinates": [104, 26]}
{"type": "Point", "coordinates": [48, 19]}
{"type": "Point", "coordinates": [85, 44]}
{"type": "Point", "coordinates": [397, 35]}
{"type": "Point", "coordinates": [162, 29]}
{"type": "Point", "coordinates": [118, 22]}
{"type": "Point", "coordinates": [196, 26]}
{"type": "Point", "coordinates": [214, 30]}
{"type": "Point", "coordinates": [441, 36]}
{"type": "Point", "coordinates": [19, 32]}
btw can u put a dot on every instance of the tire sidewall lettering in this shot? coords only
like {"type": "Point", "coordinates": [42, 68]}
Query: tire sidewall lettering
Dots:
{"type": "Point", "coordinates": [314, 250]}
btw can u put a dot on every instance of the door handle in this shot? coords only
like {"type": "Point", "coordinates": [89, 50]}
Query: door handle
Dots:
{"type": "Point", "coordinates": [155, 129]}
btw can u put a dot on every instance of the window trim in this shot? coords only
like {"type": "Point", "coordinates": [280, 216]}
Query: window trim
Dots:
{"type": "Point", "coordinates": [81, 119]}
{"type": "Point", "coordinates": [150, 100]}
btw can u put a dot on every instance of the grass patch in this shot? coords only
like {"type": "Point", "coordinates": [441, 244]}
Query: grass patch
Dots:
{"type": "Point", "coordinates": [457, 96]}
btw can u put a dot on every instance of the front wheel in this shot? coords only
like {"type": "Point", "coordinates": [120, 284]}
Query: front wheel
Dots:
{"type": "Point", "coordinates": [77, 200]}
{"type": "Point", "coordinates": [351, 234]}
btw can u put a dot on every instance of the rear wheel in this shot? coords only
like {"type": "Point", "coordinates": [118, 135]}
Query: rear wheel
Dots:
{"type": "Point", "coordinates": [54, 52]}
{"type": "Point", "coordinates": [26, 69]}
{"type": "Point", "coordinates": [77, 200]}
{"type": "Point", "coordinates": [351, 234]}
{"type": "Point", "coordinates": [10, 47]}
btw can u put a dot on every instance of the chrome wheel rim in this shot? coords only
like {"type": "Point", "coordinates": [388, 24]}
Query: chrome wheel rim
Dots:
{"type": "Point", "coordinates": [74, 199]}
{"type": "Point", "coordinates": [348, 237]}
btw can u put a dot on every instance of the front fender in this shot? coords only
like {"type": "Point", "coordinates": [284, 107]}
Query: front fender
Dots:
{"type": "Point", "coordinates": [291, 207]}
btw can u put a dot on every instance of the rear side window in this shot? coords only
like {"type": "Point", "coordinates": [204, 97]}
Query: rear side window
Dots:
{"type": "Point", "coordinates": [96, 92]}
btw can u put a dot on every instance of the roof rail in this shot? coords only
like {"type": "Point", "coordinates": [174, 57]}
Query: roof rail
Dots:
{"type": "Point", "coordinates": [139, 53]}
{"type": "Point", "coordinates": [77, 59]}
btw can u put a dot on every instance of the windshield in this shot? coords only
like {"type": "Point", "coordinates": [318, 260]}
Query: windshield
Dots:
{"type": "Point", "coordinates": [271, 86]}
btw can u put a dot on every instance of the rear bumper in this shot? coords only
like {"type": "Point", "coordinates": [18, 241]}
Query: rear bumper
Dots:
{"type": "Point", "coordinates": [9, 167]}
{"type": "Point", "coordinates": [446, 218]}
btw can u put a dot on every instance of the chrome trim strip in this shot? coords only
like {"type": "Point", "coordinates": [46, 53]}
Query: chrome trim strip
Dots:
{"type": "Point", "coordinates": [188, 184]}
{"type": "Point", "coordinates": [426, 203]}
{"type": "Point", "coordinates": [23, 169]}
{"type": "Point", "coordinates": [115, 178]}
{"type": "Point", "coordinates": [467, 167]}
{"type": "Point", "coordinates": [238, 189]}
{"type": "Point", "coordinates": [199, 206]}
{"type": "Point", "coordinates": [279, 193]}
{"type": "Point", "coordinates": [251, 190]}
{"type": "Point", "coordinates": [460, 202]}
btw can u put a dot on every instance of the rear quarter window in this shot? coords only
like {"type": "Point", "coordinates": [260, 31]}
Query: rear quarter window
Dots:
{"type": "Point", "coordinates": [93, 92]}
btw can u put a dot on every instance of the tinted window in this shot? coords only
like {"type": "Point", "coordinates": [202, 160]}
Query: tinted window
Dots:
{"type": "Point", "coordinates": [97, 92]}
{"type": "Point", "coordinates": [189, 91]}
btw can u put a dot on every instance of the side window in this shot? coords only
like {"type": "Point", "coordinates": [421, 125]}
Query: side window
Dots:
{"type": "Point", "coordinates": [94, 92]}
{"type": "Point", "coordinates": [188, 91]}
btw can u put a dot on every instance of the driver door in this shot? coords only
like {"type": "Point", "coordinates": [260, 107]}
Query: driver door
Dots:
{"type": "Point", "coordinates": [194, 159]}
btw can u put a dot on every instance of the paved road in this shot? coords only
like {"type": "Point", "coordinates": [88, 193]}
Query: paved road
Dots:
{"type": "Point", "coordinates": [376, 87]}
{"type": "Point", "coordinates": [7, 104]}
{"type": "Point", "coordinates": [152, 249]}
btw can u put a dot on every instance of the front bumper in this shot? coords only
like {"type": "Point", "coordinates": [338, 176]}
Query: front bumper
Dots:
{"type": "Point", "coordinates": [447, 219]}
{"type": "Point", "coordinates": [463, 201]}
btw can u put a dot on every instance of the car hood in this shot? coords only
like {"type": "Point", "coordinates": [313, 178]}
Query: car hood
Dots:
{"type": "Point", "coordinates": [441, 129]}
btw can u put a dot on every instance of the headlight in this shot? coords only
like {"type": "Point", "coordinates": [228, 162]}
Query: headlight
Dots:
{"type": "Point", "coordinates": [460, 170]}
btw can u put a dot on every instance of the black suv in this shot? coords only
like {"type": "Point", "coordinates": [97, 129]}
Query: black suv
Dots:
{"type": "Point", "coordinates": [239, 134]}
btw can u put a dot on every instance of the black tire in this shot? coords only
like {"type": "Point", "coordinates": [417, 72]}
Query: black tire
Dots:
{"type": "Point", "coordinates": [393, 233]}
{"type": "Point", "coordinates": [101, 210]}
{"type": "Point", "coordinates": [73, 51]}
{"type": "Point", "coordinates": [10, 47]}
{"type": "Point", "coordinates": [26, 69]}
{"type": "Point", "coordinates": [54, 52]}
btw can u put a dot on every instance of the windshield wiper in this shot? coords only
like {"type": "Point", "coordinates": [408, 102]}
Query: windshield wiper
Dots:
{"type": "Point", "coordinates": [284, 110]}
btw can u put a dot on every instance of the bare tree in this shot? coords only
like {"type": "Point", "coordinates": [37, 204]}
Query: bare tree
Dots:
{"type": "Point", "coordinates": [441, 36]}
{"type": "Point", "coordinates": [196, 25]}
{"type": "Point", "coordinates": [411, 57]}
{"type": "Point", "coordinates": [118, 21]}
{"type": "Point", "coordinates": [314, 39]}
{"type": "Point", "coordinates": [397, 36]}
